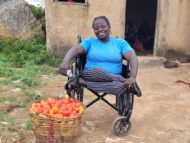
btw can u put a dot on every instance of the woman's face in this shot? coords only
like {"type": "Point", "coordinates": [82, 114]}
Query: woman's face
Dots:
{"type": "Point", "coordinates": [101, 30]}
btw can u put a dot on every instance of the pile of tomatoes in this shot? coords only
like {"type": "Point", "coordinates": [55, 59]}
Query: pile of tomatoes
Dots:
{"type": "Point", "coordinates": [66, 107]}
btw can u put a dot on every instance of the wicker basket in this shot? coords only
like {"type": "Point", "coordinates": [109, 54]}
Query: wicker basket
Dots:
{"type": "Point", "coordinates": [53, 130]}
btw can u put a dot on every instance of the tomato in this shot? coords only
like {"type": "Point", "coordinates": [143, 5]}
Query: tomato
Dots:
{"type": "Point", "coordinates": [40, 109]}
{"type": "Point", "coordinates": [58, 103]}
{"type": "Point", "coordinates": [60, 112]}
{"type": "Point", "coordinates": [51, 101]}
{"type": "Point", "coordinates": [66, 113]}
{"type": "Point", "coordinates": [66, 100]}
{"type": "Point", "coordinates": [81, 110]}
{"type": "Point", "coordinates": [78, 104]}
{"type": "Point", "coordinates": [34, 105]}
{"type": "Point", "coordinates": [75, 112]}
{"type": "Point", "coordinates": [45, 112]}
{"type": "Point", "coordinates": [66, 96]}
{"type": "Point", "coordinates": [71, 100]}
{"type": "Point", "coordinates": [73, 104]}
{"type": "Point", "coordinates": [55, 109]}
{"type": "Point", "coordinates": [76, 109]}
{"type": "Point", "coordinates": [51, 112]}
{"type": "Point", "coordinates": [70, 109]}
{"type": "Point", "coordinates": [63, 108]}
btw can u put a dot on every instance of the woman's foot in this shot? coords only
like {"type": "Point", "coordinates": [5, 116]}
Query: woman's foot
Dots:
{"type": "Point", "coordinates": [74, 84]}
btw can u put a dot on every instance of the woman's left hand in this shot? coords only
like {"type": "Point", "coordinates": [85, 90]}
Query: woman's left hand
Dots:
{"type": "Point", "coordinates": [129, 82]}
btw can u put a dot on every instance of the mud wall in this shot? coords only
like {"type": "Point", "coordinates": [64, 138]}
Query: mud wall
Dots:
{"type": "Point", "coordinates": [64, 21]}
{"type": "Point", "coordinates": [173, 29]}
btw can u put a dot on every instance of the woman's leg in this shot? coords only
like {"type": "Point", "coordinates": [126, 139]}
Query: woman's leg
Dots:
{"type": "Point", "coordinates": [97, 74]}
{"type": "Point", "coordinates": [100, 80]}
{"type": "Point", "coordinates": [115, 87]}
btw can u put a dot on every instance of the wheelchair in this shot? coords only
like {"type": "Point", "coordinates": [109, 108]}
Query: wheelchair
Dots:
{"type": "Point", "coordinates": [123, 103]}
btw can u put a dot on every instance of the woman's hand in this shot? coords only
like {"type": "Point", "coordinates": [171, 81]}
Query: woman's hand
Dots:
{"type": "Point", "coordinates": [64, 67]}
{"type": "Point", "coordinates": [129, 82]}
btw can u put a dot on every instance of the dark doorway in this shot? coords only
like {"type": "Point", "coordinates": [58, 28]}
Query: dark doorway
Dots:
{"type": "Point", "coordinates": [142, 12]}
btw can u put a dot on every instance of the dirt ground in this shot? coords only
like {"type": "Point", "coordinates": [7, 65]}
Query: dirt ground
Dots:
{"type": "Point", "coordinates": [161, 115]}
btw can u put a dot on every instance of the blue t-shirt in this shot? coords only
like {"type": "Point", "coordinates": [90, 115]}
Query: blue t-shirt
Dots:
{"type": "Point", "coordinates": [108, 56]}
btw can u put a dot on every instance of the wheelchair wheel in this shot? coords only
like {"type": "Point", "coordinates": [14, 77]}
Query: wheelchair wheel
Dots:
{"type": "Point", "coordinates": [72, 92]}
{"type": "Point", "coordinates": [121, 126]}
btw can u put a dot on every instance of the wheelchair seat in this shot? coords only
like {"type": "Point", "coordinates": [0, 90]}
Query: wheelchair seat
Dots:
{"type": "Point", "coordinates": [123, 104]}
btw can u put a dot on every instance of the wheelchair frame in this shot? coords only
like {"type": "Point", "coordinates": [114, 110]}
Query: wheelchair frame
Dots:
{"type": "Point", "coordinates": [124, 102]}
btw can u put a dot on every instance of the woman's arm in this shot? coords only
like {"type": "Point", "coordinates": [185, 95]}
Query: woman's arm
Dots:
{"type": "Point", "coordinates": [72, 53]}
{"type": "Point", "coordinates": [133, 62]}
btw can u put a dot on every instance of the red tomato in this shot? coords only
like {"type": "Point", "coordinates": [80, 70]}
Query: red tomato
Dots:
{"type": "Point", "coordinates": [55, 109]}
{"type": "Point", "coordinates": [63, 108]}
{"type": "Point", "coordinates": [75, 112]}
{"type": "Point", "coordinates": [71, 100]}
{"type": "Point", "coordinates": [76, 109]}
{"type": "Point", "coordinates": [70, 109]}
{"type": "Point", "coordinates": [51, 101]}
{"type": "Point", "coordinates": [66, 100]}
{"type": "Point", "coordinates": [40, 109]}
{"type": "Point", "coordinates": [78, 104]}
{"type": "Point", "coordinates": [45, 112]}
{"type": "Point", "coordinates": [60, 112]}
{"type": "Point", "coordinates": [73, 104]}
{"type": "Point", "coordinates": [58, 103]}
{"type": "Point", "coordinates": [66, 113]}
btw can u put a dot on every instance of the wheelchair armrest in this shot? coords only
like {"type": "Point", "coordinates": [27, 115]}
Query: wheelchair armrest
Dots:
{"type": "Point", "coordinates": [125, 71]}
{"type": "Point", "coordinates": [137, 90]}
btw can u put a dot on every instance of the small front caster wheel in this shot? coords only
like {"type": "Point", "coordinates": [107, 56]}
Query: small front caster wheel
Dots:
{"type": "Point", "coordinates": [121, 126]}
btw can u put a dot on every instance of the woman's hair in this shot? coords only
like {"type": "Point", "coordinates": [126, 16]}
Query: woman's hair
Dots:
{"type": "Point", "coordinates": [101, 17]}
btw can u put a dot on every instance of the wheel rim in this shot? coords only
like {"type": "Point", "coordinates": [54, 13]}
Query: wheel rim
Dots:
{"type": "Point", "coordinates": [121, 126]}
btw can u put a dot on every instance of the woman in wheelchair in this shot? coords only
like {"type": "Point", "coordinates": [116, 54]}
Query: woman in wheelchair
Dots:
{"type": "Point", "coordinates": [102, 71]}
{"type": "Point", "coordinates": [105, 54]}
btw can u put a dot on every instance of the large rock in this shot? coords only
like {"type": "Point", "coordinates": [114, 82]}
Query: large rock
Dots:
{"type": "Point", "coordinates": [17, 19]}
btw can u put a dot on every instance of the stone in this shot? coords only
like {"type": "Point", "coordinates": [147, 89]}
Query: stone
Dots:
{"type": "Point", "coordinates": [149, 62]}
{"type": "Point", "coordinates": [17, 19]}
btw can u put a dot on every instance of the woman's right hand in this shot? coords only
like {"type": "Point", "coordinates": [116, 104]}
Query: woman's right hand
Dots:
{"type": "Point", "coordinates": [64, 68]}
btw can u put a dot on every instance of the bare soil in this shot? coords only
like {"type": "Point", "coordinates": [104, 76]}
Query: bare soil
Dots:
{"type": "Point", "coordinates": [161, 115]}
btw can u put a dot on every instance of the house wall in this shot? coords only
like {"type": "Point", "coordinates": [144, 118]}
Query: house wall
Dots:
{"type": "Point", "coordinates": [64, 21]}
{"type": "Point", "coordinates": [173, 29]}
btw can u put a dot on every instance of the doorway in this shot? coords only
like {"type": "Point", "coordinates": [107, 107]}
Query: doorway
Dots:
{"type": "Point", "coordinates": [143, 14]}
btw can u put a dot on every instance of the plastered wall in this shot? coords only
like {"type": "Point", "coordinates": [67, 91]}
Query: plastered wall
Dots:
{"type": "Point", "coordinates": [173, 31]}
{"type": "Point", "coordinates": [64, 21]}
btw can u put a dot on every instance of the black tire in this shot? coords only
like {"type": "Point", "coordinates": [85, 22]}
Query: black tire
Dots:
{"type": "Point", "coordinates": [121, 126]}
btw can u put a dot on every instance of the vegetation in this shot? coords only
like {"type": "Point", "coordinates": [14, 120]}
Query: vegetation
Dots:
{"type": "Point", "coordinates": [22, 64]}
{"type": "Point", "coordinates": [40, 15]}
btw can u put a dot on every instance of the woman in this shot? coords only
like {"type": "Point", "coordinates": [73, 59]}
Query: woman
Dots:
{"type": "Point", "coordinates": [104, 60]}
{"type": "Point", "coordinates": [131, 32]}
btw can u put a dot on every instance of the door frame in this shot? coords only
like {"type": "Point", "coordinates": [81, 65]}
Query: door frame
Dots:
{"type": "Point", "coordinates": [157, 27]}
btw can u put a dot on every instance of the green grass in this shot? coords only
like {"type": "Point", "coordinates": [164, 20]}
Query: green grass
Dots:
{"type": "Point", "coordinates": [26, 62]}
{"type": "Point", "coordinates": [31, 62]}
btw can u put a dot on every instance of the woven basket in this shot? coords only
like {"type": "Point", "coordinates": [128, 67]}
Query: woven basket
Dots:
{"type": "Point", "coordinates": [53, 130]}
